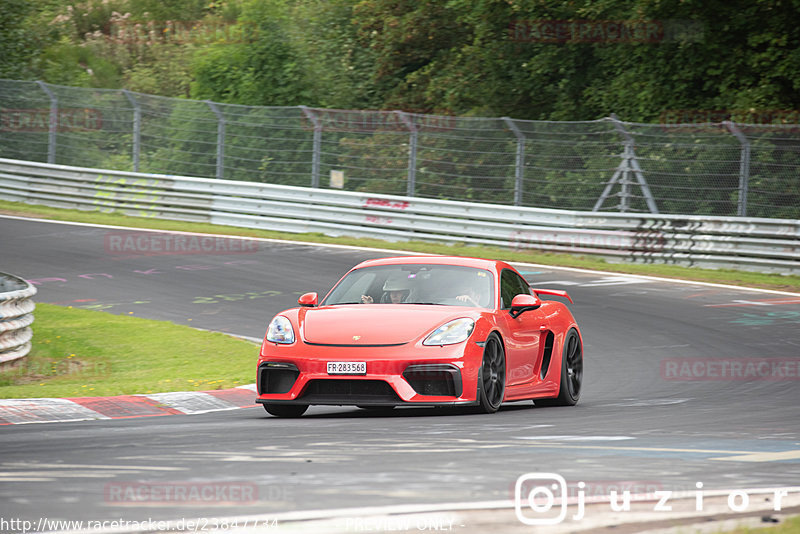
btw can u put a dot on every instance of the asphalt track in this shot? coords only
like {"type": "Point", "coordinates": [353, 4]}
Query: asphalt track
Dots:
{"type": "Point", "coordinates": [638, 422]}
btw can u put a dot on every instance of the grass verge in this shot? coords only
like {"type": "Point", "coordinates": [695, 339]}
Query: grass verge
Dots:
{"type": "Point", "coordinates": [84, 353]}
{"type": "Point", "coordinates": [733, 277]}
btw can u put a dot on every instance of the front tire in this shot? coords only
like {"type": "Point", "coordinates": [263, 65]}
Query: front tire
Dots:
{"type": "Point", "coordinates": [569, 390]}
{"type": "Point", "coordinates": [286, 410]}
{"type": "Point", "coordinates": [492, 376]}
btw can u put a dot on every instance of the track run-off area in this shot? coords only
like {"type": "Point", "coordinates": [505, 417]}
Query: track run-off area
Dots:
{"type": "Point", "coordinates": [689, 389]}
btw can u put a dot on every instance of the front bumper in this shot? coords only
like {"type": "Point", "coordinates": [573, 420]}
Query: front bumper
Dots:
{"type": "Point", "coordinates": [434, 376]}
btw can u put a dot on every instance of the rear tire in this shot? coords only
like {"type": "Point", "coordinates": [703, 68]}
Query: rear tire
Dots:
{"type": "Point", "coordinates": [286, 410]}
{"type": "Point", "coordinates": [569, 389]}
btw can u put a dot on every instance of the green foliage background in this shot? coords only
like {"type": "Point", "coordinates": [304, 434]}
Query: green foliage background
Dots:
{"type": "Point", "coordinates": [440, 56]}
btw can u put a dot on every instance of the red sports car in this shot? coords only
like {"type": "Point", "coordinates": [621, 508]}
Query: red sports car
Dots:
{"type": "Point", "coordinates": [422, 331]}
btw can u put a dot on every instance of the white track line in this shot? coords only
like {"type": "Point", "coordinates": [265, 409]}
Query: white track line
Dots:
{"type": "Point", "coordinates": [393, 510]}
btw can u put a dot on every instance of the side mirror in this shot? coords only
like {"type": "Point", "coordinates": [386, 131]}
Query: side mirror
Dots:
{"type": "Point", "coordinates": [309, 300]}
{"type": "Point", "coordinates": [522, 303]}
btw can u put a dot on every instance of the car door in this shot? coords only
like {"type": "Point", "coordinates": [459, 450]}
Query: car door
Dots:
{"type": "Point", "coordinates": [521, 334]}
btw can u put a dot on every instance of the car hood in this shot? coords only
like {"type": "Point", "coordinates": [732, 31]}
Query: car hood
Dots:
{"type": "Point", "coordinates": [375, 324]}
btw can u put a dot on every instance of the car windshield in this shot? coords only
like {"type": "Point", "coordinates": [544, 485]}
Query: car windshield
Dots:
{"type": "Point", "coordinates": [448, 285]}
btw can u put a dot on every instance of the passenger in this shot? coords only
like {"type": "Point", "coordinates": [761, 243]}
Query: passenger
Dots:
{"type": "Point", "coordinates": [473, 293]}
{"type": "Point", "coordinates": [471, 297]}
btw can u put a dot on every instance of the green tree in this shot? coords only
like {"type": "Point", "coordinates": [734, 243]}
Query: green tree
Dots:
{"type": "Point", "coordinates": [18, 41]}
{"type": "Point", "coordinates": [408, 38]}
{"type": "Point", "coordinates": [264, 68]}
{"type": "Point", "coordinates": [338, 68]}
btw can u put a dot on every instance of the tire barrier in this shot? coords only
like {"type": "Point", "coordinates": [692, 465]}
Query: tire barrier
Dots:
{"type": "Point", "coordinates": [16, 317]}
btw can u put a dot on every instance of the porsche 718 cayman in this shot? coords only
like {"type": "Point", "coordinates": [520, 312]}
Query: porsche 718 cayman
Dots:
{"type": "Point", "coordinates": [422, 331]}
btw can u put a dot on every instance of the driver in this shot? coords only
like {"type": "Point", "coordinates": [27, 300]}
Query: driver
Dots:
{"type": "Point", "coordinates": [396, 290]}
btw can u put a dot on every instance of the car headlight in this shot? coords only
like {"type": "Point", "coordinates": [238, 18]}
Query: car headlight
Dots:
{"type": "Point", "coordinates": [451, 333]}
{"type": "Point", "coordinates": [280, 330]}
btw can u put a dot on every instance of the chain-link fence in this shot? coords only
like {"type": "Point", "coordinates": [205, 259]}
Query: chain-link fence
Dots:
{"type": "Point", "coordinates": [713, 168]}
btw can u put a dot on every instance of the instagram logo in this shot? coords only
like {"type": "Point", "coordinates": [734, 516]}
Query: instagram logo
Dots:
{"type": "Point", "coordinates": [538, 493]}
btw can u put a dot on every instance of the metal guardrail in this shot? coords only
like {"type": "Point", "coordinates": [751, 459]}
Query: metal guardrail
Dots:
{"type": "Point", "coordinates": [16, 317]}
{"type": "Point", "coordinates": [766, 245]}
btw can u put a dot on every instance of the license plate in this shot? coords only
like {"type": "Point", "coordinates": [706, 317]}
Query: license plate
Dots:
{"type": "Point", "coordinates": [347, 368]}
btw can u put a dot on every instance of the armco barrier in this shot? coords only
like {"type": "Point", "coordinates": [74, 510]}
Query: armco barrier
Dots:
{"type": "Point", "coordinates": [766, 245]}
{"type": "Point", "coordinates": [16, 317]}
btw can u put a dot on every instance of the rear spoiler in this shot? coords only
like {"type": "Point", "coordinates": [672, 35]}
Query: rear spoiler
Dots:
{"type": "Point", "coordinates": [554, 292]}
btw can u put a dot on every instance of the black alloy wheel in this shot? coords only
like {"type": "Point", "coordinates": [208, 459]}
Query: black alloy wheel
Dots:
{"type": "Point", "coordinates": [492, 379]}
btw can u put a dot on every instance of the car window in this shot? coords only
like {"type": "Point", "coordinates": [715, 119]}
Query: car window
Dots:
{"type": "Point", "coordinates": [447, 285]}
{"type": "Point", "coordinates": [353, 286]}
{"type": "Point", "coordinates": [511, 285]}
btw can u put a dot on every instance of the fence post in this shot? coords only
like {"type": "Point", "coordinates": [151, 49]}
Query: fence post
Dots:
{"type": "Point", "coordinates": [625, 182]}
{"type": "Point", "coordinates": [137, 127]}
{"type": "Point", "coordinates": [412, 153]}
{"type": "Point", "coordinates": [220, 138]}
{"type": "Point", "coordinates": [744, 167]}
{"type": "Point", "coordinates": [317, 147]}
{"type": "Point", "coordinates": [51, 138]}
{"type": "Point", "coordinates": [519, 167]}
